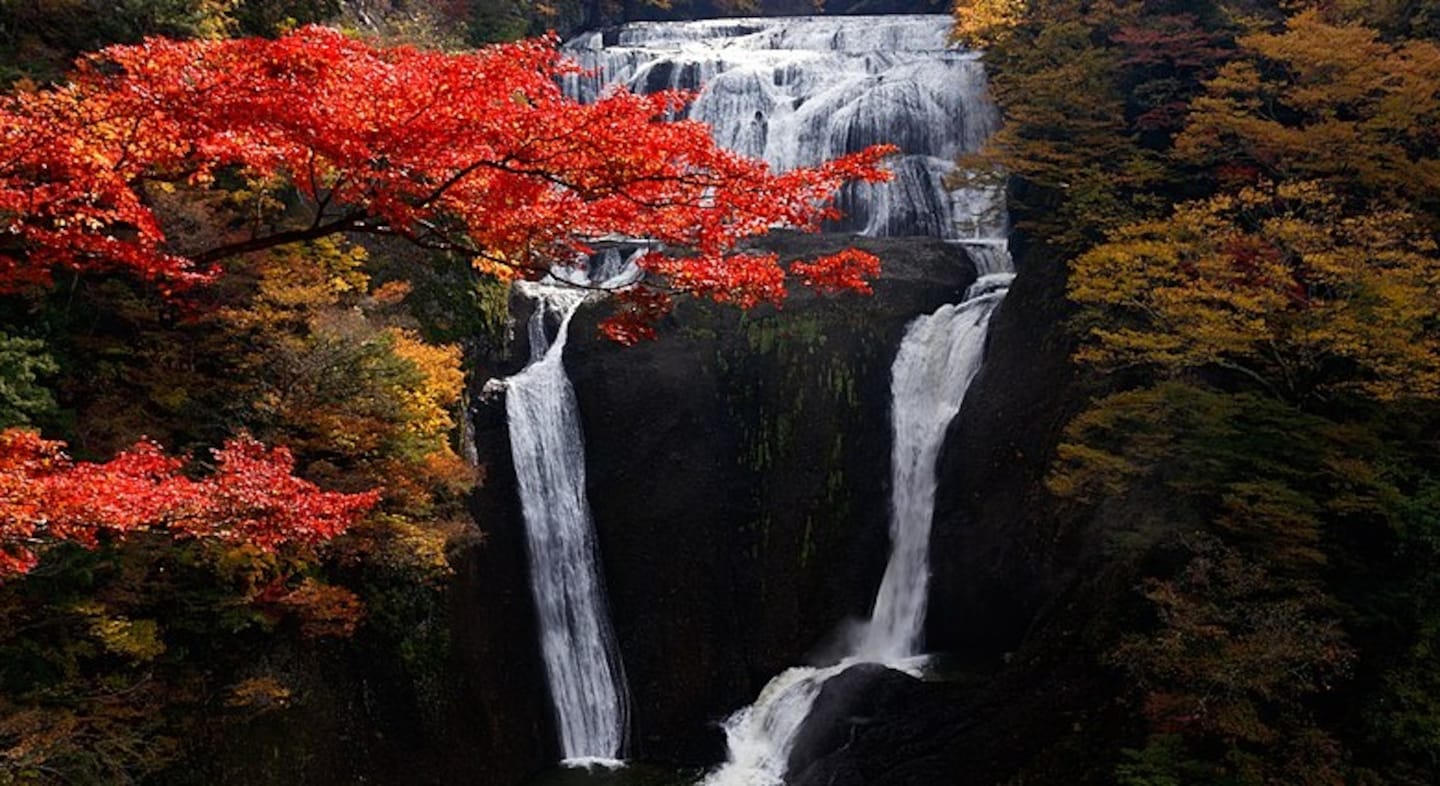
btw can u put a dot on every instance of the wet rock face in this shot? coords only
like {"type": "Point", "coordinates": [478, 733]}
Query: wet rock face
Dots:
{"type": "Point", "coordinates": [995, 561]}
{"type": "Point", "coordinates": [848, 705]}
{"type": "Point", "coordinates": [737, 472]}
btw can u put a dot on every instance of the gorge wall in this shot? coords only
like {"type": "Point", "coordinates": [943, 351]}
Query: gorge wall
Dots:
{"type": "Point", "coordinates": [738, 467]}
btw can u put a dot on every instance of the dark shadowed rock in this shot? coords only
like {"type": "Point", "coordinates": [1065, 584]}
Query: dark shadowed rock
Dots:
{"type": "Point", "coordinates": [738, 473]}
{"type": "Point", "coordinates": [855, 698]}
{"type": "Point", "coordinates": [993, 563]}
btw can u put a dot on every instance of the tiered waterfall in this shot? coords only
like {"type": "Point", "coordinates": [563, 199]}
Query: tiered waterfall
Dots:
{"type": "Point", "coordinates": [794, 92]}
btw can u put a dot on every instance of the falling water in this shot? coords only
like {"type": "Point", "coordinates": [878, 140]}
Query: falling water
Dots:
{"type": "Point", "coordinates": [796, 92]}
{"type": "Point", "coordinates": [586, 678]}
{"type": "Point", "coordinates": [939, 357]}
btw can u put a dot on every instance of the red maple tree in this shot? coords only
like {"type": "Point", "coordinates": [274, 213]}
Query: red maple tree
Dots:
{"type": "Point", "coordinates": [477, 153]}
{"type": "Point", "coordinates": [480, 154]}
{"type": "Point", "coordinates": [251, 497]}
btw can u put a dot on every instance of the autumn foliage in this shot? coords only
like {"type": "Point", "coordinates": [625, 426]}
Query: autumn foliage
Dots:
{"type": "Point", "coordinates": [302, 240]}
{"type": "Point", "coordinates": [1240, 196]}
{"type": "Point", "coordinates": [479, 154]}
{"type": "Point", "coordinates": [250, 497]}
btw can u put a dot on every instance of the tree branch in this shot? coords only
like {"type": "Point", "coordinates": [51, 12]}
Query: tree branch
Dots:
{"type": "Point", "coordinates": [351, 221]}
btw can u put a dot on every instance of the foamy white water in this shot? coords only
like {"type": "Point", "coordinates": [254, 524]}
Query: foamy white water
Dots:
{"type": "Point", "coordinates": [797, 91]}
{"type": "Point", "coordinates": [582, 663]}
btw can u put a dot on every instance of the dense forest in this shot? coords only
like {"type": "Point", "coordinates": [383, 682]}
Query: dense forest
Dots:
{"type": "Point", "coordinates": [1243, 193]}
{"type": "Point", "coordinates": [251, 271]}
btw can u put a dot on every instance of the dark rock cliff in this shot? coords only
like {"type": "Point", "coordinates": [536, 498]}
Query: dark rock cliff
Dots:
{"type": "Point", "coordinates": [738, 470]}
{"type": "Point", "coordinates": [1015, 598]}
{"type": "Point", "coordinates": [993, 563]}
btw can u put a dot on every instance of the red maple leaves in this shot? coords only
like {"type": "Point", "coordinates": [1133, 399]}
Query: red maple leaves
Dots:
{"type": "Point", "coordinates": [849, 270]}
{"type": "Point", "coordinates": [478, 153]}
{"type": "Point", "coordinates": [251, 497]}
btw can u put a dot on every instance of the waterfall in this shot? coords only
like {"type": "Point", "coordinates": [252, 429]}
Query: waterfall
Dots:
{"type": "Point", "coordinates": [582, 663]}
{"type": "Point", "coordinates": [938, 358]}
{"type": "Point", "coordinates": [797, 91]}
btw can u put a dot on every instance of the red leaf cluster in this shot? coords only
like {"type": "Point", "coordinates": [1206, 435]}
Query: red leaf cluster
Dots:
{"type": "Point", "coordinates": [850, 270]}
{"type": "Point", "coordinates": [479, 153]}
{"type": "Point", "coordinates": [637, 309]}
{"type": "Point", "coordinates": [251, 497]}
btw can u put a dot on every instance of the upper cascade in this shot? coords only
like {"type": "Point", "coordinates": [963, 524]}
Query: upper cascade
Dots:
{"type": "Point", "coordinates": [797, 91]}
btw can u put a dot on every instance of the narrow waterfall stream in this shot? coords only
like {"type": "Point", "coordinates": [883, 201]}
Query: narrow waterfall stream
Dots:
{"type": "Point", "coordinates": [938, 358]}
{"type": "Point", "coordinates": [582, 663]}
{"type": "Point", "coordinates": [796, 91]}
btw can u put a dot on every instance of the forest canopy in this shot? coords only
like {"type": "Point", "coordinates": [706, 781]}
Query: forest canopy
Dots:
{"type": "Point", "coordinates": [1243, 197]}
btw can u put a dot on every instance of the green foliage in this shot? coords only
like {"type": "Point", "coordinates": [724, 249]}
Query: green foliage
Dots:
{"type": "Point", "coordinates": [23, 362]}
{"type": "Point", "coordinates": [39, 38]}
{"type": "Point", "coordinates": [1162, 762]}
{"type": "Point", "coordinates": [1090, 94]}
{"type": "Point", "coordinates": [491, 21]}
{"type": "Point", "coordinates": [268, 17]}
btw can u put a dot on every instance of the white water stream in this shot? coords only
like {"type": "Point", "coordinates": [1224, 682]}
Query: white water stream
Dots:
{"type": "Point", "coordinates": [938, 358]}
{"type": "Point", "coordinates": [582, 663]}
{"type": "Point", "coordinates": [794, 92]}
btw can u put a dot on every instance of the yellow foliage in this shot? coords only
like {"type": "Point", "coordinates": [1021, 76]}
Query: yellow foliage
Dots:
{"type": "Point", "coordinates": [296, 282]}
{"type": "Point", "coordinates": [260, 694]}
{"type": "Point", "coordinates": [362, 400]}
{"type": "Point", "coordinates": [1326, 100]}
{"type": "Point", "coordinates": [135, 639]}
{"type": "Point", "coordinates": [213, 18]}
{"type": "Point", "coordinates": [981, 23]}
{"type": "Point", "coordinates": [1281, 284]}
{"type": "Point", "coordinates": [428, 405]}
